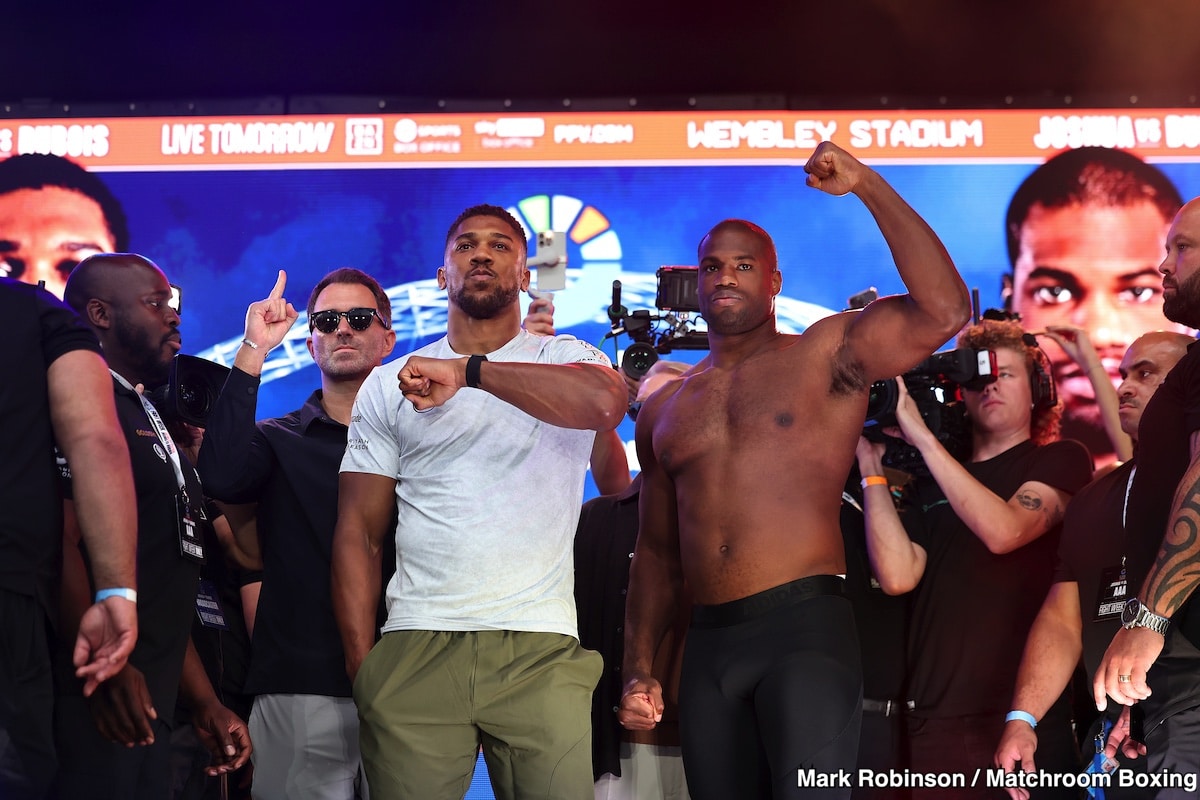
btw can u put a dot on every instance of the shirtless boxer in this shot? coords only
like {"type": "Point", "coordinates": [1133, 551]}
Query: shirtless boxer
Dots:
{"type": "Point", "coordinates": [744, 462]}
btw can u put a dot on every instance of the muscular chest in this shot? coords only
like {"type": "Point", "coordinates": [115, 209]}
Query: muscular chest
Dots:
{"type": "Point", "coordinates": [730, 412]}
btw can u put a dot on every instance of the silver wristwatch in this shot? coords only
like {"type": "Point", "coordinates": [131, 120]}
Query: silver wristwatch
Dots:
{"type": "Point", "coordinates": [1136, 615]}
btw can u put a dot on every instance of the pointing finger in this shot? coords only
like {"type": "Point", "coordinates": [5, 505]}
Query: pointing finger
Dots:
{"type": "Point", "coordinates": [280, 283]}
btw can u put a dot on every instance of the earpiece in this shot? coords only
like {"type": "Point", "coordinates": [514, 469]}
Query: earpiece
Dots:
{"type": "Point", "coordinates": [1041, 380]}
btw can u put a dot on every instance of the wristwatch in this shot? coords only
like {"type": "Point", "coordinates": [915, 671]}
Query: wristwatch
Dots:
{"type": "Point", "coordinates": [1136, 615]}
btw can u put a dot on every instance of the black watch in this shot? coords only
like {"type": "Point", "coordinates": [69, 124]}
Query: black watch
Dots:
{"type": "Point", "coordinates": [1136, 615]}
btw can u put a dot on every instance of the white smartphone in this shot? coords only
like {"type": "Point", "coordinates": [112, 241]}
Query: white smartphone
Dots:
{"type": "Point", "coordinates": [551, 261]}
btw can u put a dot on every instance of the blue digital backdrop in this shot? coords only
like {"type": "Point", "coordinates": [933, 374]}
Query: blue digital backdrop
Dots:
{"type": "Point", "coordinates": [222, 235]}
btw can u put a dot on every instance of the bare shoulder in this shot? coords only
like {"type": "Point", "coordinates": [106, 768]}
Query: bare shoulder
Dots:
{"type": "Point", "coordinates": [652, 405]}
{"type": "Point", "coordinates": [824, 349]}
{"type": "Point", "coordinates": [830, 329]}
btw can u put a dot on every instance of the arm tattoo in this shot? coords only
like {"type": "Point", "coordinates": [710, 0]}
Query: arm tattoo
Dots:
{"type": "Point", "coordinates": [1032, 501]}
{"type": "Point", "coordinates": [1029, 500]}
{"type": "Point", "coordinates": [1178, 567]}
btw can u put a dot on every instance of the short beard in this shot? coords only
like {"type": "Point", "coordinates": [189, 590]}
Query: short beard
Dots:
{"type": "Point", "coordinates": [730, 322]}
{"type": "Point", "coordinates": [485, 305]}
{"type": "Point", "coordinates": [143, 354]}
{"type": "Point", "coordinates": [1184, 306]}
{"type": "Point", "coordinates": [726, 324]}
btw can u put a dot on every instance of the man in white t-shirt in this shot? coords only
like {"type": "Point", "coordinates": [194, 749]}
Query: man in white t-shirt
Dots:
{"type": "Point", "coordinates": [481, 440]}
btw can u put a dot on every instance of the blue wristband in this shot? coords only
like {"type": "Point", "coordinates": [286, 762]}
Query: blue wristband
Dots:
{"type": "Point", "coordinates": [1024, 716]}
{"type": "Point", "coordinates": [128, 594]}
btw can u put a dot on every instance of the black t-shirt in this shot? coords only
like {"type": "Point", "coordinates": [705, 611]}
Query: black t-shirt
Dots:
{"type": "Point", "coordinates": [1093, 541]}
{"type": "Point", "coordinates": [290, 466]}
{"type": "Point", "coordinates": [40, 330]}
{"type": "Point", "coordinates": [166, 579]}
{"type": "Point", "coordinates": [972, 609]}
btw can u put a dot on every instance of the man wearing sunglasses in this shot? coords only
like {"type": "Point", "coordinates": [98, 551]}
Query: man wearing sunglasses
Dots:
{"type": "Point", "coordinates": [304, 723]}
{"type": "Point", "coordinates": [481, 439]}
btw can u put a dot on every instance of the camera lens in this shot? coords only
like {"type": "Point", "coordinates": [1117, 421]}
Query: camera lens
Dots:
{"type": "Point", "coordinates": [881, 402]}
{"type": "Point", "coordinates": [638, 359]}
{"type": "Point", "coordinates": [194, 401]}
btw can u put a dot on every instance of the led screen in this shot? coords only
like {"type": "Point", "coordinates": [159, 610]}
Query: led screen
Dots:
{"type": "Point", "coordinates": [221, 203]}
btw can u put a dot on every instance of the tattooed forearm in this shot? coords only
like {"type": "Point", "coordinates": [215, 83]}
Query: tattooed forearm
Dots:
{"type": "Point", "coordinates": [1176, 572]}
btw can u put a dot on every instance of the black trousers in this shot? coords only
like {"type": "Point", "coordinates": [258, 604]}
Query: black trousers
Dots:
{"type": "Point", "coordinates": [771, 686]}
{"type": "Point", "coordinates": [27, 758]}
{"type": "Point", "coordinates": [95, 768]}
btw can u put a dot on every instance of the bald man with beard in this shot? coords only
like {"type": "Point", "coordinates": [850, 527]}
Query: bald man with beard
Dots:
{"type": "Point", "coordinates": [116, 743]}
{"type": "Point", "coordinates": [1153, 663]}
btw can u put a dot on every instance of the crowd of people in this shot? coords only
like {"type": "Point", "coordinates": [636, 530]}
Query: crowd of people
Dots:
{"type": "Point", "coordinates": [357, 598]}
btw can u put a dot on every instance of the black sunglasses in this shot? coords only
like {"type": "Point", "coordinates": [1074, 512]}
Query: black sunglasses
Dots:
{"type": "Point", "coordinates": [359, 319]}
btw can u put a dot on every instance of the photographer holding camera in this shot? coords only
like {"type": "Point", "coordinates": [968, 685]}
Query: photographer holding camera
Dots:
{"type": "Point", "coordinates": [984, 536]}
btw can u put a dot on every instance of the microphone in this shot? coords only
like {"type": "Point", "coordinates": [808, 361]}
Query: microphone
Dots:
{"type": "Point", "coordinates": [616, 312]}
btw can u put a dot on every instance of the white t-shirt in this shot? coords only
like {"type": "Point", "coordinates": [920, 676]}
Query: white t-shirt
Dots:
{"type": "Point", "coordinates": [488, 498]}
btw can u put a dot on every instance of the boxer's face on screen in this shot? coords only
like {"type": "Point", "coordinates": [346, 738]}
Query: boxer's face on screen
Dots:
{"type": "Point", "coordinates": [1095, 267]}
{"type": "Point", "coordinates": [45, 233]}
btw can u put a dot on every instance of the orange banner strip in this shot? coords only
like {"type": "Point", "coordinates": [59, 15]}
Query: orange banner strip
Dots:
{"type": "Point", "coordinates": [391, 140]}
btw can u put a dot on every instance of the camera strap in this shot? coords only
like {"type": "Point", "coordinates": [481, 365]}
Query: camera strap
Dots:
{"type": "Point", "coordinates": [160, 429]}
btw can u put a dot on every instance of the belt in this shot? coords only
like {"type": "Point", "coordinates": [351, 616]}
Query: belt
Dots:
{"type": "Point", "coordinates": [887, 708]}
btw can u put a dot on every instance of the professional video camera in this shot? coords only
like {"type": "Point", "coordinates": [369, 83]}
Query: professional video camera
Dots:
{"type": "Point", "coordinates": [658, 334]}
{"type": "Point", "coordinates": [190, 391]}
{"type": "Point", "coordinates": [934, 386]}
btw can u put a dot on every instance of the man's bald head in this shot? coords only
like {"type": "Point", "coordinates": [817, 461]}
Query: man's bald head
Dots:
{"type": "Point", "coordinates": [1143, 369]}
{"type": "Point", "coordinates": [102, 276]}
{"type": "Point", "coordinates": [126, 300]}
{"type": "Point", "coordinates": [1172, 341]}
{"type": "Point", "coordinates": [747, 227]}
